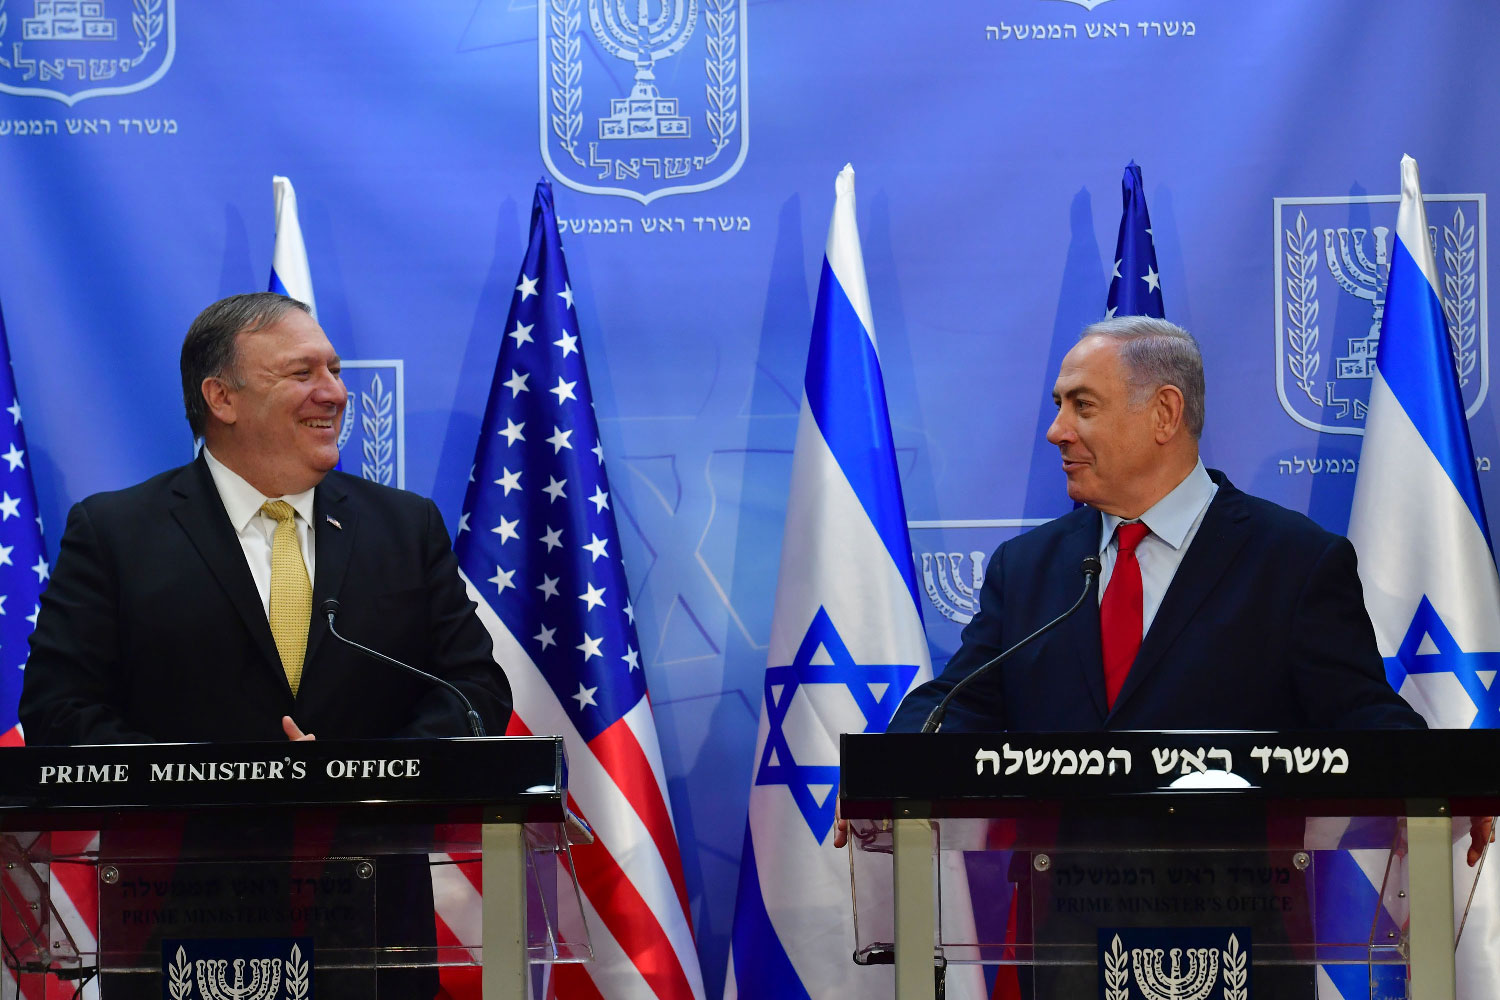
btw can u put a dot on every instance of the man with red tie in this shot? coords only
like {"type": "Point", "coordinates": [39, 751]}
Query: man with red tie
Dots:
{"type": "Point", "coordinates": [1214, 610]}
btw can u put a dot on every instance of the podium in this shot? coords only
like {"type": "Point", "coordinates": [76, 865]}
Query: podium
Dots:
{"type": "Point", "coordinates": [1138, 864]}
{"type": "Point", "coordinates": [316, 853]}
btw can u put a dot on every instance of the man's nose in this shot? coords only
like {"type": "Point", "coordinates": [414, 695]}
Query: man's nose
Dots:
{"type": "Point", "coordinates": [1058, 432]}
{"type": "Point", "coordinates": [330, 389]}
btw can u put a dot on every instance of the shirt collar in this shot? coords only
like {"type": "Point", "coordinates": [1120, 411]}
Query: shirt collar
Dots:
{"type": "Point", "coordinates": [1173, 516]}
{"type": "Point", "coordinates": [242, 501]}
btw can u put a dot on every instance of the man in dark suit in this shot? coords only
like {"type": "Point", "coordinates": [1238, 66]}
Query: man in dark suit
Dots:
{"type": "Point", "coordinates": [1215, 610]}
{"type": "Point", "coordinates": [1237, 613]}
{"type": "Point", "coordinates": [183, 608]}
{"type": "Point", "coordinates": [154, 625]}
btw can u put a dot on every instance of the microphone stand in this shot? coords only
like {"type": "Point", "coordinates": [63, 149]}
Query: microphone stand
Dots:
{"type": "Point", "coordinates": [476, 724]}
{"type": "Point", "coordinates": [1091, 570]}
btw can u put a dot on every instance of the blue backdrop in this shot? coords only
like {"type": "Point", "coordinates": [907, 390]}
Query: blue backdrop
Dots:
{"type": "Point", "coordinates": [140, 138]}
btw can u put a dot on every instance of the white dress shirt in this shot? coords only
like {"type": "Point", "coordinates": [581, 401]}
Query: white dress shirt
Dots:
{"type": "Point", "coordinates": [255, 529]}
{"type": "Point", "coordinates": [1174, 521]}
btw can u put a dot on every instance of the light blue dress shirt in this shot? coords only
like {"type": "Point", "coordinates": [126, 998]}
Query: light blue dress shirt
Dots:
{"type": "Point", "coordinates": [1174, 521]}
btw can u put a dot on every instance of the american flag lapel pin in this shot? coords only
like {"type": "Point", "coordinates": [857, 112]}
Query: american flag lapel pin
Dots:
{"type": "Point", "coordinates": [333, 522]}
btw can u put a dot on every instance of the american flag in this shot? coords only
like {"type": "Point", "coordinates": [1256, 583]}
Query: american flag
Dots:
{"type": "Point", "coordinates": [23, 575]}
{"type": "Point", "coordinates": [540, 552]}
{"type": "Point", "coordinates": [23, 560]}
{"type": "Point", "coordinates": [1135, 285]}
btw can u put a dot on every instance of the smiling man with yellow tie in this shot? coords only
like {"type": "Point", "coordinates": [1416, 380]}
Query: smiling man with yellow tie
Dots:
{"type": "Point", "coordinates": [179, 609]}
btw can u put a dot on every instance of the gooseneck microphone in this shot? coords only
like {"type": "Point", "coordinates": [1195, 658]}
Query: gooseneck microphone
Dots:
{"type": "Point", "coordinates": [330, 609]}
{"type": "Point", "coordinates": [1091, 570]}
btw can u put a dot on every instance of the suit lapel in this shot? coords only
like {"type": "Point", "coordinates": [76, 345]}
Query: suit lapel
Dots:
{"type": "Point", "coordinates": [1082, 632]}
{"type": "Point", "coordinates": [197, 508]}
{"type": "Point", "coordinates": [335, 522]}
{"type": "Point", "coordinates": [1220, 537]}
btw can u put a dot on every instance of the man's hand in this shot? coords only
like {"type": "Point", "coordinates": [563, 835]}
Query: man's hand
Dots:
{"type": "Point", "coordinates": [840, 825]}
{"type": "Point", "coordinates": [296, 735]}
{"type": "Point", "coordinates": [1481, 832]}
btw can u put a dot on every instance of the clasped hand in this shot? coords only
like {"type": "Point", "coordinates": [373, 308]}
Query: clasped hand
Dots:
{"type": "Point", "coordinates": [293, 733]}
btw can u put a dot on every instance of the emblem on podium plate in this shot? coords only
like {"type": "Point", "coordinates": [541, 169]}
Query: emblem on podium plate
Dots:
{"type": "Point", "coordinates": [674, 131]}
{"type": "Point", "coordinates": [1332, 263]}
{"type": "Point", "coordinates": [1188, 964]}
{"type": "Point", "coordinates": [250, 969]}
{"type": "Point", "coordinates": [69, 50]}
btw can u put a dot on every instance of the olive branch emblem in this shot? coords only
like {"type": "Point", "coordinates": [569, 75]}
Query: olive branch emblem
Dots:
{"type": "Point", "coordinates": [1116, 972]}
{"type": "Point", "coordinates": [296, 975]}
{"type": "Point", "coordinates": [722, 67]}
{"type": "Point", "coordinates": [1302, 306]}
{"type": "Point", "coordinates": [1459, 302]}
{"type": "Point", "coordinates": [1234, 970]}
{"type": "Point", "coordinates": [567, 68]}
{"type": "Point", "coordinates": [147, 21]}
{"type": "Point", "coordinates": [179, 976]}
{"type": "Point", "coordinates": [377, 419]}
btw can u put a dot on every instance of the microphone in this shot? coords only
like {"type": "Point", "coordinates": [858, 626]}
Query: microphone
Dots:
{"type": "Point", "coordinates": [330, 609]}
{"type": "Point", "coordinates": [1091, 569]}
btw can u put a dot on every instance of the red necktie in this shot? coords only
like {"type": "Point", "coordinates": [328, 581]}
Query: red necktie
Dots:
{"type": "Point", "coordinates": [1121, 612]}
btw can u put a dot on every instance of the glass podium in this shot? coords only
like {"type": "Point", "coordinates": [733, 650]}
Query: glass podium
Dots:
{"type": "Point", "coordinates": [172, 870]}
{"type": "Point", "coordinates": [1136, 865]}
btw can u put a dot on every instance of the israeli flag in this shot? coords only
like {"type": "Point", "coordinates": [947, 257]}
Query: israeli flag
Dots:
{"type": "Point", "coordinates": [290, 274]}
{"type": "Point", "coordinates": [1425, 558]}
{"type": "Point", "coordinates": [846, 644]}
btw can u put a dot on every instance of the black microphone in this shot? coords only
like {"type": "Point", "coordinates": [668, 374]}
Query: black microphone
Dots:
{"type": "Point", "coordinates": [330, 610]}
{"type": "Point", "coordinates": [1091, 570]}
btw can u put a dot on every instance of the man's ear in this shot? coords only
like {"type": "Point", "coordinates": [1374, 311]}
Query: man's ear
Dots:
{"type": "Point", "coordinates": [1168, 407]}
{"type": "Point", "coordinates": [220, 399]}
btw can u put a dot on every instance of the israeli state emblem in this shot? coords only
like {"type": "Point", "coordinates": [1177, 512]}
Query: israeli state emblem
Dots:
{"type": "Point", "coordinates": [643, 98]}
{"type": "Point", "coordinates": [70, 50]}
{"type": "Point", "coordinates": [1333, 259]}
{"type": "Point", "coordinates": [372, 440]}
{"type": "Point", "coordinates": [1174, 963]}
{"type": "Point", "coordinates": [238, 969]}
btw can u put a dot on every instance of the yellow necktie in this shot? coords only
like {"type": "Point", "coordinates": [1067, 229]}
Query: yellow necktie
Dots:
{"type": "Point", "coordinates": [291, 591]}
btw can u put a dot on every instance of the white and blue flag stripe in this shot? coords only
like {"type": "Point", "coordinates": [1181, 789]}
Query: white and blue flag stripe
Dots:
{"type": "Point", "coordinates": [290, 274]}
{"type": "Point", "coordinates": [1419, 526]}
{"type": "Point", "coordinates": [847, 643]}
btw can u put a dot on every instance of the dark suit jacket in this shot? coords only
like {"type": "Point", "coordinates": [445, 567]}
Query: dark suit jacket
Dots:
{"type": "Point", "coordinates": [151, 629]}
{"type": "Point", "coordinates": [1263, 627]}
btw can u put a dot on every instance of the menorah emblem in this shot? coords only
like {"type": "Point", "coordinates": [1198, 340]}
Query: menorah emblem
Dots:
{"type": "Point", "coordinates": [643, 40]}
{"type": "Point", "coordinates": [1364, 278]}
{"type": "Point", "coordinates": [1324, 383]}
{"type": "Point", "coordinates": [264, 984]}
{"type": "Point", "coordinates": [641, 143]}
{"type": "Point", "coordinates": [954, 599]}
{"type": "Point", "coordinates": [1194, 983]}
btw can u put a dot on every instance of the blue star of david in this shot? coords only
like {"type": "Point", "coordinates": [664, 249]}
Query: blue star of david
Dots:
{"type": "Point", "coordinates": [777, 765]}
{"type": "Point", "coordinates": [1449, 657]}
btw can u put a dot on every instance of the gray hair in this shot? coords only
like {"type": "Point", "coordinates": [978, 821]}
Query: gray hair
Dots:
{"type": "Point", "coordinates": [211, 347]}
{"type": "Point", "coordinates": [1158, 353]}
